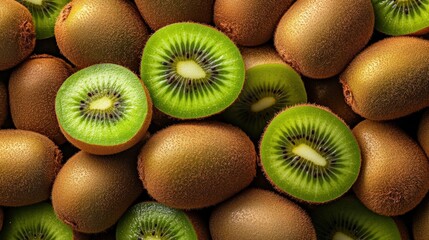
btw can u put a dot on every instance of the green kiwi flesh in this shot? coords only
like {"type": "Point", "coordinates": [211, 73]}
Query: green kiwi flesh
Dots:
{"type": "Point", "coordinates": [347, 219]}
{"type": "Point", "coordinates": [320, 37]}
{"type": "Point", "coordinates": [309, 153]}
{"type": "Point", "coordinates": [37, 221]}
{"type": "Point", "coordinates": [401, 17]}
{"type": "Point", "coordinates": [92, 192]}
{"type": "Point", "coordinates": [29, 163]}
{"type": "Point", "coordinates": [103, 109]}
{"type": "Point", "coordinates": [18, 37]}
{"type": "Point", "coordinates": [152, 220]}
{"type": "Point", "coordinates": [197, 164]}
{"type": "Point", "coordinates": [256, 214]}
{"type": "Point", "coordinates": [4, 103]}
{"type": "Point", "coordinates": [158, 14]}
{"type": "Point", "coordinates": [420, 224]}
{"type": "Point", "coordinates": [389, 79]}
{"type": "Point", "coordinates": [45, 13]}
{"type": "Point", "coordinates": [270, 86]}
{"type": "Point", "coordinates": [401, 188]}
{"type": "Point", "coordinates": [192, 70]}
{"type": "Point", "coordinates": [33, 86]}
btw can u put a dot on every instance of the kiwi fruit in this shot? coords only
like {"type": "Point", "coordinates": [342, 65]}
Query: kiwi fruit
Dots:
{"type": "Point", "coordinates": [270, 86]}
{"type": "Point", "coordinates": [45, 13]}
{"type": "Point", "coordinates": [160, 13]}
{"type": "Point", "coordinates": [152, 220]}
{"type": "Point", "coordinates": [420, 222]}
{"type": "Point", "coordinates": [4, 103]}
{"type": "Point", "coordinates": [194, 165]}
{"type": "Point", "coordinates": [257, 214]}
{"type": "Point", "coordinates": [192, 70]}
{"type": "Point", "coordinates": [37, 221]}
{"type": "Point", "coordinates": [389, 79]}
{"type": "Point", "coordinates": [103, 109]}
{"type": "Point", "coordinates": [91, 192]}
{"type": "Point", "coordinates": [101, 31]}
{"type": "Point", "coordinates": [423, 131]}
{"type": "Point", "coordinates": [33, 86]}
{"type": "Point", "coordinates": [320, 37]}
{"type": "Point", "coordinates": [251, 22]}
{"type": "Point", "coordinates": [403, 186]}
{"type": "Point", "coordinates": [401, 17]}
{"type": "Point", "coordinates": [347, 218]}
{"type": "Point", "coordinates": [18, 37]}
{"type": "Point", "coordinates": [329, 93]}
{"type": "Point", "coordinates": [310, 154]}
{"type": "Point", "coordinates": [29, 163]}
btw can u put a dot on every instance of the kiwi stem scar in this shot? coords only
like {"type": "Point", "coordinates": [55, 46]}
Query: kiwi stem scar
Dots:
{"type": "Point", "coordinates": [35, 2]}
{"type": "Point", "coordinates": [309, 154]}
{"type": "Point", "coordinates": [341, 236]}
{"type": "Point", "coordinates": [262, 104]}
{"type": "Point", "coordinates": [103, 103]}
{"type": "Point", "coordinates": [190, 69]}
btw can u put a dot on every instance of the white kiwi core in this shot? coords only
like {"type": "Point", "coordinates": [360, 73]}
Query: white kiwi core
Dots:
{"type": "Point", "coordinates": [310, 154]}
{"type": "Point", "coordinates": [35, 2]}
{"type": "Point", "coordinates": [103, 103]}
{"type": "Point", "coordinates": [341, 236]}
{"type": "Point", "coordinates": [190, 69]}
{"type": "Point", "coordinates": [262, 104]}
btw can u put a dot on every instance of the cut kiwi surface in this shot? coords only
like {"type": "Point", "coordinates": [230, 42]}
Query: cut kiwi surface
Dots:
{"type": "Point", "coordinates": [401, 17]}
{"type": "Point", "coordinates": [103, 109]}
{"type": "Point", "coordinates": [192, 70]}
{"type": "Point", "coordinates": [36, 222]}
{"type": "Point", "coordinates": [348, 219]}
{"type": "Point", "coordinates": [309, 153]}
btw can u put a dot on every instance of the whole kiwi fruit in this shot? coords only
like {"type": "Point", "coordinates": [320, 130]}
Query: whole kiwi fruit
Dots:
{"type": "Point", "coordinates": [250, 22]}
{"type": "Point", "coordinates": [389, 79]}
{"type": "Point", "coordinates": [29, 163]}
{"type": "Point", "coordinates": [399, 189]}
{"type": "Point", "coordinates": [257, 214]}
{"type": "Point", "coordinates": [18, 37]}
{"type": "Point", "coordinates": [320, 37]}
{"type": "Point", "coordinates": [197, 164]}
{"type": "Point", "coordinates": [91, 192]}
{"type": "Point", "coordinates": [4, 103]}
{"type": "Point", "coordinates": [160, 13]}
{"type": "Point", "coordinates": [33, 86]}
{"type": "Point", "coordinates": [101, 31]}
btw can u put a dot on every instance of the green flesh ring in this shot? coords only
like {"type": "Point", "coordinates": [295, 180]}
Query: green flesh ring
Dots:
{"type": "Point", "coordinates": [310, 154]}
{"type": "Point", "coordinates": [104, 105]}
{"type": "Point", "coordinates": [192, 70]}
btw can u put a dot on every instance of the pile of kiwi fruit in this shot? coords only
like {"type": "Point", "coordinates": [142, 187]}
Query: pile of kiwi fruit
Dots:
{"type": "Point", "coordinates": [214, 119]}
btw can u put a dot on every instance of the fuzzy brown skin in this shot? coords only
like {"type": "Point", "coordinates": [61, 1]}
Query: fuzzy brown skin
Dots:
{"type": "Point", "coordinates": [29, 163]}
{"type": "Point", "coordinates": [423, 132]}
{"type": "Point", "coordinates": [92, 192]}
{"type": "Point", "coordinates": [257, 214]}
{"type": "Point", "coordinates": [18, 35]}
{"type": "Point", "coordinates": [200, 227]}
{"type": "Point", "coordinates": [32, 90]}
{"type": "Point", "coordinates": [250, 22]}
{"type": "Point", "coordinates": [4, 103]}
{"type": "Point", "coordinates": [197, 164]}
{"type": "Point", "coordinates": [320, 37]}
{"type": "Point", "coordinates": [260, 55]}
{"type": "Point", "coordinates": [101, 31]}
{"type": "Point", "coordinates": [394, 172]}
{"type": "Point", "coordinates": [159, 13]}
{"type": "Point", "coordinates": [420, 225]}
{"type": "Point", "coordinates": [389, 79]}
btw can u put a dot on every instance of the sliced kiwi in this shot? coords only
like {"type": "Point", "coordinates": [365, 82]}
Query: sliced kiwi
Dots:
{"type": "Point", "coordinates": [348, 219]}
{"type": "Point", "coordinates": [271, 85]}
{"type": "Point", "coordinates": [151, 220]}
{"type": "Point", "coordinates": [45, 13]}
{"type": "Point", "coordinates": [103, 109]}
{"type": "Point", "coordinates": [37, 221]}
{"type": "Point", "coordinates": [4, 103]}
{"type": "Point", "coordinates": [401, 17]}
{"type": "Point", "coordinates": [309, 153]}
{"type": "Point", "coordinates": [192, 70]}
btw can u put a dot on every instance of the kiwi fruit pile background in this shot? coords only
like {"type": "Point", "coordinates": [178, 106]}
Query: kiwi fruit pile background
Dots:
{"type": "Point", "coordinates": [214, 119]}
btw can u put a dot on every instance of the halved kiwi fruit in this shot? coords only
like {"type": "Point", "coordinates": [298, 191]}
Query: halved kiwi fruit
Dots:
{"type": "Point", "coordinates": [270, 86]}
{"type": "Point", "coordinates": [192, 70]}
{"type": "Point", "coordinates": [401, 17]}
{"type": "Point", "coordinates": [45, 13]}
{"type": "Point", "coordinates": [37, 221]}
{"type": "Point", "coordinates": [347, 219]}
{"type": "Point", "coordinates": [103, 109]}
{"type": "Point", "coordinates": [152, 220]}
{"type": "Point", "coordinates": [309, 153]}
